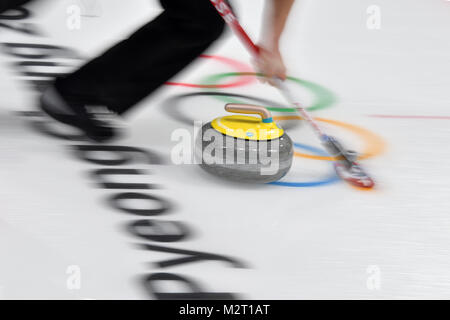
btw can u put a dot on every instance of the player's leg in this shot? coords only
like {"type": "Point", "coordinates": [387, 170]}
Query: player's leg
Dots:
{"type": "Point", "coordinates": [134, 68]}
{"type": "Point", "coordinates": [11, 4]}
{"type": "Point", "coordinates": [137, 66]}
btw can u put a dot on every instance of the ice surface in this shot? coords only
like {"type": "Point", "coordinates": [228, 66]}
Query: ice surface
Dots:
{"type": "Point", "coordinates": [328, 241]}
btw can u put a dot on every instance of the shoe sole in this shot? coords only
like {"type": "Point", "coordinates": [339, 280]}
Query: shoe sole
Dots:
{"type": "Point", "coordinates": [70, 120]}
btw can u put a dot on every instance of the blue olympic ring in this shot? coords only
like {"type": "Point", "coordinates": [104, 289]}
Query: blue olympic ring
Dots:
{"type": "Point", "coordinates": [329, 180]}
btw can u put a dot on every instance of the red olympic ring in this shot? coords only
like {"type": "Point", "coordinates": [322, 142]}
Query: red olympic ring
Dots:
{"type": "Point", "coordinates": [239, 66]}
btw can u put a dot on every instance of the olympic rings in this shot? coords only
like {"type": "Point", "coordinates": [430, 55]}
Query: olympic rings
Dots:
{"type": "Point", "coordinates": [374, 145]}
{"type": "Point", "coordinates": [332, 178]}
{"type": "Point", "coordinates": [230, 62]}
{"type": "Point", "coordinates": [323, 97]}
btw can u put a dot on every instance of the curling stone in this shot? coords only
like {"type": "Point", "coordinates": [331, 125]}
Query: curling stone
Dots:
{"type": "Point", "coordinates": [244, 148]}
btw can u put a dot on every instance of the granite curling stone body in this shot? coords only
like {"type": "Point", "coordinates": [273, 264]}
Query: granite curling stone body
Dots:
{"type": "Point", "coordinates": [245, 148]}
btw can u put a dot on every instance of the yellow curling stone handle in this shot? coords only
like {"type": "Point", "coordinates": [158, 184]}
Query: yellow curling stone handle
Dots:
{"type": "Point", "coordinates": [250, 109]}
{"type": "Point", "coordinates": [247, 127]}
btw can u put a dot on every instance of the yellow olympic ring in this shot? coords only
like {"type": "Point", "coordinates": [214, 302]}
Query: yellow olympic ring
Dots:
{"type": "Point", "coordinates": [374, 145]}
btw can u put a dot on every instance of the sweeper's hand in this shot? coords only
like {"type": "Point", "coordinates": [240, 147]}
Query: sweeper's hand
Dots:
{"type": "Point", "coordinates": [271, 64]}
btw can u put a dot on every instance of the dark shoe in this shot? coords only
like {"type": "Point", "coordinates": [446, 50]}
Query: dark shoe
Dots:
{"type": "Point", "coordinates": [90, 120]}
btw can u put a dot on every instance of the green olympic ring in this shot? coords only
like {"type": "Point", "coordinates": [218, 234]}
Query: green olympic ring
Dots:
{"type": "Point", "coordinates": [323, 98]}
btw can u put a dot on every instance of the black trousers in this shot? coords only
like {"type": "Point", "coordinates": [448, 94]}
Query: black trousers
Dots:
{"type": "Point", "coordinates": [11, 4]}
{"type": "Point", "coordinates": [137, 66]}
